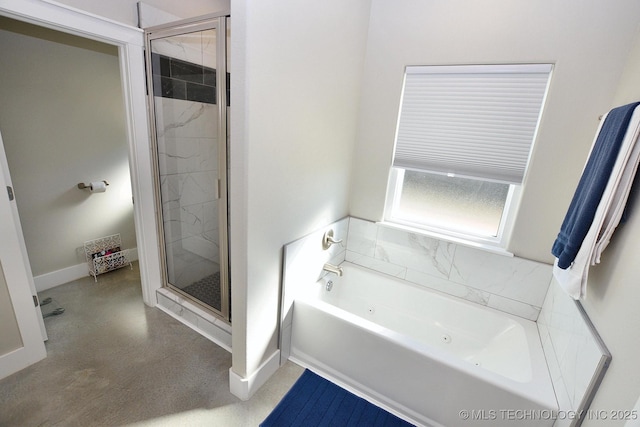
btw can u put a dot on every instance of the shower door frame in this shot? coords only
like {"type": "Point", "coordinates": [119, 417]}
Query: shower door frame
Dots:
{"type": "Point", "coordinates": [217, 21]}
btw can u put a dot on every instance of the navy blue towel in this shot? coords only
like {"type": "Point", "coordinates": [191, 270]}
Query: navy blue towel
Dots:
{"type": "Point", "coordinates": [592, 184]}
{"type": "Point", "coordinates": [314, 401]}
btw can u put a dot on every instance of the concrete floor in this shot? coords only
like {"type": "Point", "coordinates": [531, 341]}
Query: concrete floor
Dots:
{"type": "Point", "coordinates": [112, 361]}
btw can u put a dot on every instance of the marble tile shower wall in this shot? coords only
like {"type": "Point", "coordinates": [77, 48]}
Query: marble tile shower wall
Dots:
{"type": "Point", "coordinates": [186, 117]}
{"type": "Point", "coordinates": [187, 151]}
{"type": "Point", "coordinates": [177, 79]}
{"type": "Point", "coordinates": [510, 284]}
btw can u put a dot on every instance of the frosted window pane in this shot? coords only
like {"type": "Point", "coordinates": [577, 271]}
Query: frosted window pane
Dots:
{"type": "Point", "coordinates": [453, 203]}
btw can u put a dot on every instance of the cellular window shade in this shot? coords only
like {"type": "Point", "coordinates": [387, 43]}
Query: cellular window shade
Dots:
{"type": "Point", "coordinates": [473, 121]}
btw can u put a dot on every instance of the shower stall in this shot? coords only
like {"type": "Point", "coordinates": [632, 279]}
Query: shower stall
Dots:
{"type": "Point", "coordinates": [188, 87]}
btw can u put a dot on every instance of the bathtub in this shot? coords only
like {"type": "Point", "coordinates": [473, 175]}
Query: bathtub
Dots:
{"type": "Point", "coordinates": [429, 358]}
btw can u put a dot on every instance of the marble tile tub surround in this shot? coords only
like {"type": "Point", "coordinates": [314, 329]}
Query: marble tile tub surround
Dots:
{"type": "Point", "coordinates": [510, 284]}
{"type": "Point", "coordinates": [575, 354]}
{"type": "Point", "coordinates": [303, 260]}
{"type": "Point", "coordinates": [513, 285]}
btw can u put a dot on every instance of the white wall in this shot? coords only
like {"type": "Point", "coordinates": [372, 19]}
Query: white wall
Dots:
{"type": "Point", "coordinates": [296, 73]}
{"type": "Point", "coordinates": [613, 292]}
{"type": "Point", "coordinates": [596, 50]}
{"type": "Point", "coordinates": [283, 93]}
{"type": "Point", "coordinates": [126, 11]}
{"type": "Point", "coordinates": [588, 41]}
{"type": "Point", "coordinates": [63, 122]}
{"type": "Point", "coordinates": [295, 83]}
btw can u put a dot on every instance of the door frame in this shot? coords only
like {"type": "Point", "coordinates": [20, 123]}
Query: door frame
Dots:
{"type": "Point", "coordinates": [130, 43]}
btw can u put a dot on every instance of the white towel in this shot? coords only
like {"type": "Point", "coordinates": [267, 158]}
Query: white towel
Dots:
{"type": "Point", "coordinates": [614, 199]}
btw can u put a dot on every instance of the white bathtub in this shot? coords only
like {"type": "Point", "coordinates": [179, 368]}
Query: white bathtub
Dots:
{"type": "Point", "coordinates": [422, 355]}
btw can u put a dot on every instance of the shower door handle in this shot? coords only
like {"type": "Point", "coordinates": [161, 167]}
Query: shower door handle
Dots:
{"type": "Point", "coordinates": [217, 189]}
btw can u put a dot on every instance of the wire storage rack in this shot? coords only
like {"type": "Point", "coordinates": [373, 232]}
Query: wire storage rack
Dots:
{"type": "Point", "coordinates": [106, 254]}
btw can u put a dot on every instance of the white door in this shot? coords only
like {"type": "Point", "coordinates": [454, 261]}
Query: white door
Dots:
{"type": "Point", "coordinates": [4, 170]}
{"type": "Point", "coordinates": [21, 327]}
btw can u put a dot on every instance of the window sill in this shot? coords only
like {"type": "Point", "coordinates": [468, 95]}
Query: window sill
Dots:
{"type": "Point", "coordinates": [484, 246]}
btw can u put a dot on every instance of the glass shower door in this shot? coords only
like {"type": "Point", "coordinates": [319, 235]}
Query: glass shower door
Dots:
{"type": "Point", "coordinates": [188, 77]}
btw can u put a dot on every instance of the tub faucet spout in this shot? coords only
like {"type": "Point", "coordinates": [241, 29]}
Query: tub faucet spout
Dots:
{"type": "Point", "coordinates": [333, 269]}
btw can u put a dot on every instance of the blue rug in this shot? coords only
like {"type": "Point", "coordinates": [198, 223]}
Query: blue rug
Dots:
{"type": "Point", "coordinates": [314, 401]}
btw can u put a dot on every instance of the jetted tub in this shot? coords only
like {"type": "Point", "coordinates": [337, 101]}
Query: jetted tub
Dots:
{"type": "Point", "coordinates": [429, 358]}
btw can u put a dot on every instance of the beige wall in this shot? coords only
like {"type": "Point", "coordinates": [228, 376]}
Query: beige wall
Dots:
{"type": "Point", "coordinates": [295, 84]}
{"type": "Point", "coordinates": [588, 41]}
{"type": "Point", "coordinates": [613, 292]}
{"type": "Point", "coordinates": [63, 122]}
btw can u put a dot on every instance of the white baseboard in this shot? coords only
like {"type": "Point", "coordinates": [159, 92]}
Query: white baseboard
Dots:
{"type": "Point", "coordinates": [244, 388]}
{"type": "Point", "coordinates": [69, 274]}
{"type": "Point", "coordinates": [59, 277]}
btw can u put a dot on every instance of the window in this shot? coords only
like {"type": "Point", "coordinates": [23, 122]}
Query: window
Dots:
{"type": "Point", "coordinates": [462, 146]}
